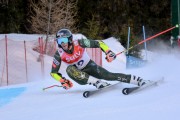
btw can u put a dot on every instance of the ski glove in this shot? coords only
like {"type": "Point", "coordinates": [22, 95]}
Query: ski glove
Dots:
{"type": "Point", "coordinates": [110, 56]}
{"type": "Point", "coordinates": [66, 84]}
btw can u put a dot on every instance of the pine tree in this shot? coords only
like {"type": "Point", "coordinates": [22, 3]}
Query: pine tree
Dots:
{"type": "Point", "coordinates": [47, 16]}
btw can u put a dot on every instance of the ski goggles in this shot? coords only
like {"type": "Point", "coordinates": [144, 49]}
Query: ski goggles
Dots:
{"type": "Point", "coordinates": [62, 40]}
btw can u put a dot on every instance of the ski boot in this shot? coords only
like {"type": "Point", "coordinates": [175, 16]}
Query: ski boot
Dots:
{"type": "Point", "coordinates": [138, 81]}
{"type": "Point", "coordinates": [97, 83]}
{"type": "Point", "coordinates": [100, 84]}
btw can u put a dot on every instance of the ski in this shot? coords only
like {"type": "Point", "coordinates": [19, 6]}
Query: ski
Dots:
{"type": "Point", "coordinates": [127, 91]}
{"type": "Point", "coordinates": [86, 94]}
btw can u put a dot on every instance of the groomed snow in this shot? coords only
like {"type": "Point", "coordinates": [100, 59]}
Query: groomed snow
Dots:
{"type": "Point", "coordinates": [162, 102]}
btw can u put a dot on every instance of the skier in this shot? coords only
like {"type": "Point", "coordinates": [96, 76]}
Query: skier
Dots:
{"type": "Point", "coordinates": [80, 67]}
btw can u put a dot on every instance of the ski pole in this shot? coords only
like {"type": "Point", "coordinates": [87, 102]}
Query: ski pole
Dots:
{"type": "Point", "coordinates": [51, 87]}
{"type": "Point", "coordinates": [158, 34]}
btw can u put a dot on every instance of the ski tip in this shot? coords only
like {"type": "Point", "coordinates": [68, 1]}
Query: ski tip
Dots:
{"type": "Point", "coordinates": [86, 94]}
{"type": "Point", "coordinates": [161, 80]}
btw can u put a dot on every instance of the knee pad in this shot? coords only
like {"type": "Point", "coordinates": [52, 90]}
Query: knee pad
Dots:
{"type": "Point", "coordinates": [77, 75]}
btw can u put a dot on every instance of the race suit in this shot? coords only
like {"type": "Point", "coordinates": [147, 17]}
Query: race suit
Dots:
{"type": "Point", "coordinates": [80, 66]}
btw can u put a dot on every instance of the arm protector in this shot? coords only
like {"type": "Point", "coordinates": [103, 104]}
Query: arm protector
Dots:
{"type": "Point", "coordinates": [86, 43]}
{"type": "Point", "coordinates": [56, 66]}
{"type": "Point", "coordinates": [56, 76]}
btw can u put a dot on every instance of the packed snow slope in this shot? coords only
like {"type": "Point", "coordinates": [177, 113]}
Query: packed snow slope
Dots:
{"type": "Point", "coordinates": [29, 102]}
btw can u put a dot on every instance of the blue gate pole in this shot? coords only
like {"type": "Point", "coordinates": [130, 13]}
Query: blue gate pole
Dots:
{"type": "Point", "coordinates": [145, 47]}
{"type": "Point", "coordinates": [129, 29]}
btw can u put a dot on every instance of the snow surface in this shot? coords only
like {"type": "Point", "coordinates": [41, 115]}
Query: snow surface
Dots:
{"type": "Point", "coordinates": [162, 102]}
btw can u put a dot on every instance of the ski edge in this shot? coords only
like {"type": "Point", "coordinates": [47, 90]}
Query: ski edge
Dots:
{"type": "Point", "coordinates": [86, 94]}
{"type": "Point", "coordinates": [127, 91]}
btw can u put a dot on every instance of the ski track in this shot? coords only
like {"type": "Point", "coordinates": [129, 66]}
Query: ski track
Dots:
{"type": "Point", "coordinates": [160, 102]}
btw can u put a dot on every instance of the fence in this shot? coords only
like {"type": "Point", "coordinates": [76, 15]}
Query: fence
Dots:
{"type": "Point", "coordinates": [11, 61]}
{"type": "Point", "coordinates": [19, 63]}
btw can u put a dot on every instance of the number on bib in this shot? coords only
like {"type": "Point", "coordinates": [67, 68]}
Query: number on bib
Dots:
{"type": "Point", "coordinates": [80, 63]}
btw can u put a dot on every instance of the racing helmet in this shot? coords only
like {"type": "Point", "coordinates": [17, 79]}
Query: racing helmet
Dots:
{"type": "Point", "coordinates": [64, 35]}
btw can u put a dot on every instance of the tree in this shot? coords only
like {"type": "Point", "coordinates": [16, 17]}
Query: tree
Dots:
{"type": "Point", "coordinates": [4, 1]}
{"type": "Point", "coordinates": [12, 15]}
{"type": "Point", "coordinates": [47, 16]}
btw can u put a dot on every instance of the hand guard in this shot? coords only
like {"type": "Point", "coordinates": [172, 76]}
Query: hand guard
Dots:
{"type": "Point", "coordinates": [66, 84]}
{"type": "Point", "coordinates": [110, 56]}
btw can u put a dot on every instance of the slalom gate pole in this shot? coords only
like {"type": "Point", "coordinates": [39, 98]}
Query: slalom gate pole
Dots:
{"type": "Point", "coordinates": [149, 38]}
{"type": "Point", "coordinates": [51, 87]}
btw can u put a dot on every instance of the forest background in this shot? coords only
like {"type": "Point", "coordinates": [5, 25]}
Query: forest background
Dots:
{"type": "Point", "coordinates": [96, 19]}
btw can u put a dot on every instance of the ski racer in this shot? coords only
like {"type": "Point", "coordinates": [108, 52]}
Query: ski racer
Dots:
{"type": "Point", "coordinates": [80, 67]}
